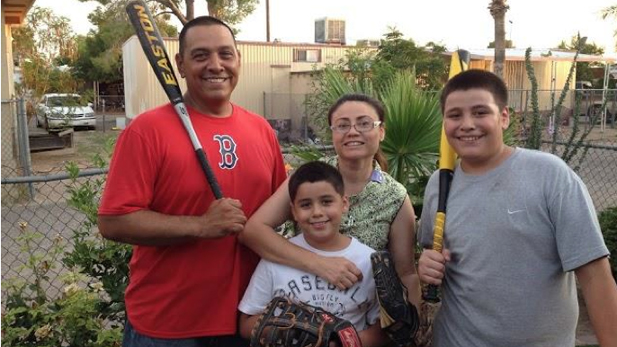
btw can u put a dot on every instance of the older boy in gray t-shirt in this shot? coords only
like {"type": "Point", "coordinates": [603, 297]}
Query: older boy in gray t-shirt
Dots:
{"type": "Point", "coordinates": [520, 226]}
{"type": "Point", "coordinates": [515, 233]}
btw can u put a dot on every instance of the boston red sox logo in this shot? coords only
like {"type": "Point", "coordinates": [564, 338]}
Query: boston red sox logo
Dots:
{"type": "Point", "coordinates": [227, 148]}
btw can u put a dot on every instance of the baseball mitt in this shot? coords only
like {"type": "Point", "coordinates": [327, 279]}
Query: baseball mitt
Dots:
{"type": "Point", "coordinates": [288, 324]}
{"type": "Point", "coordinates": [399, 318]}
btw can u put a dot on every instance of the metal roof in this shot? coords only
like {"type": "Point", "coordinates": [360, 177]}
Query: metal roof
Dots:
{"type": "Point", "coordinates": [518, 54]}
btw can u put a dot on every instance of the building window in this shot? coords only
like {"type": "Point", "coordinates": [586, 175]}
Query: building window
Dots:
{"type": "Point", "coordinates": [307, 55]}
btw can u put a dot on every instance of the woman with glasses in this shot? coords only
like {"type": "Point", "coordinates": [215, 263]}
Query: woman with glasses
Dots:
{"type": "Point", "coordinates": [380, 211]}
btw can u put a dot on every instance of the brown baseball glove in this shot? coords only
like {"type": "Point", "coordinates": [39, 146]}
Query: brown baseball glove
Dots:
{"type": "Point", "coordinates": [399, 318]}
{"type": "Point", "coordinates": [288, 324]}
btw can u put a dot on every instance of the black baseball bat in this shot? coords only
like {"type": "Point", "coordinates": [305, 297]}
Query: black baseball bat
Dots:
{"type": "Point", "coordinates": [154, 48]}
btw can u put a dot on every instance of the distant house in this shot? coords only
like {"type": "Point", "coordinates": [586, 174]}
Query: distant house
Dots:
{"type": "Point", "coordinates": [551, 69]}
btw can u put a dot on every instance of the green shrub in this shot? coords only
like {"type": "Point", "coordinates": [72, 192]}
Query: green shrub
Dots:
{"type": "Point", "coordinates": [89, 311]}
{"type": "Point", "coordinates": [608, 224]}
{"type": "Point", "coordinates": [33, 318]}
{"type": "Point", "coordinates": [104, 260]}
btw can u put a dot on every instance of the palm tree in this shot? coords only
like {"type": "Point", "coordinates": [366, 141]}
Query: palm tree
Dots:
{"type": "Point", "coordinates": [610, 11]}
{"type": "Point", "coordinates": [498, 9]}
{"type": "Point", "coordinates": [413, 128]}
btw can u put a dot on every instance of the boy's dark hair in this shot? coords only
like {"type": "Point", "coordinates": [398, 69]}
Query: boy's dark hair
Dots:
{"type": "Point", "coordinates": [379, 109]}
{"type": "Point", "coordinates": [202, 20]}
{"type": "Point", "coordinates": [315, 171]}
{"type": "Point", "coordinates": [477, 79]}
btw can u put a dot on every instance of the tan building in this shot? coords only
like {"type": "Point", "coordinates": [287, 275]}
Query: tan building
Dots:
{"type": "Point", "coordinates": [274, 78]}
{"type": "Point", "coordinates": [13, 14]}
{"type": "Point", "coordinates": [551, 68]}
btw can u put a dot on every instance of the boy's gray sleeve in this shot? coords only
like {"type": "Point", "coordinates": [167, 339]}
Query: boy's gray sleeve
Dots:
{"type": "Point", "coordinates": [577, 230]}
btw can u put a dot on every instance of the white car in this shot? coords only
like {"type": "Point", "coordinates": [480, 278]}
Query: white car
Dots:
{"type": "Point", "coordinates": [57, 111]}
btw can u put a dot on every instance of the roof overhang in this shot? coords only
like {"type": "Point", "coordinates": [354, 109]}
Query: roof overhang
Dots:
{"type": "Point", "coordinates": [516, 54]}
{"type": "Point", "coordinates": [15, 11]}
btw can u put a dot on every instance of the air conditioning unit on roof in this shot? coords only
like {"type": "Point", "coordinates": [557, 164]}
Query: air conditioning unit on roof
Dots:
{"type": "Point", "coordinates": [329, 30]}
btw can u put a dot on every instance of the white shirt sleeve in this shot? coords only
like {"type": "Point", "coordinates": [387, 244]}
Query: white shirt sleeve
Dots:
{"type": "Point", "coordinates": [260, 290]}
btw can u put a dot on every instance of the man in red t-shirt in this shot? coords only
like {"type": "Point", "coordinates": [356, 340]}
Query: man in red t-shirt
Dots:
{"type": "Point", "coordinates": [188, 270]}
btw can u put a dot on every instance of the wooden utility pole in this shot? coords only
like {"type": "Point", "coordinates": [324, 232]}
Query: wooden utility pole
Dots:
{"type": "Point", "coordinates": [267, 20]}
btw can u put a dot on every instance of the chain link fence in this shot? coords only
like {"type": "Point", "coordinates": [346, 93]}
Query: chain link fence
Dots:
{"type": "Point", "coordinates": [288, 116]}
{"type": "Point", "coordinates": [40, 200]}
{"type": "Point", "coordinates": [15, 145]}
{"type": "Point", "coordinates": [596, 164]}
{"type": "Point", "coordinates": [15, 141]}
{"type": "Point", "coordinates": [9, 140]}
{"type": "Point", "coordinates": [108, 103]}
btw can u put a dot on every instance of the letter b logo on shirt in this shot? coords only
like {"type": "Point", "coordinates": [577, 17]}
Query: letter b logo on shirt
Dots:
{"type": "Point", "coordinates": [227, 148]}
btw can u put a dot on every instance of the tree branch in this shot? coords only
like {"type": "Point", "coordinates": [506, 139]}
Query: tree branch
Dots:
{"type": "Point", "coordinates": [163, 12]}
{"type": "Point", "coordinates": [174, 10]}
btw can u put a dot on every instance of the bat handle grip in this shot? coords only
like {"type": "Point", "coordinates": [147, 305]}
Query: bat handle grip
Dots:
{"type": "Point", "coordinates": [432, 294]}
{"type": "Point", "coordinates": [214, 185]}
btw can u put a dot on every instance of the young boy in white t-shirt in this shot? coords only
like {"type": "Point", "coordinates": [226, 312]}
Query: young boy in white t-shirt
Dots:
{"type": "Point", "coordinates": [318, 202]}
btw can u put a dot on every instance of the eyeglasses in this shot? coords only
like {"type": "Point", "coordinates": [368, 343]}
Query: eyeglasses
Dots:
{"type": "Point", "coordinates": [361, 126]}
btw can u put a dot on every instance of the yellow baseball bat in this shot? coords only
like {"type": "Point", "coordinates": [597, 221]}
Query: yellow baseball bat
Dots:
{"type": "Point", "coordinates": [447, 159]}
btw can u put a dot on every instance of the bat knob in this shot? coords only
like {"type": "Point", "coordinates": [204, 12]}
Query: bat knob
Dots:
{"type": "Point", "coordinates": [432, 294]}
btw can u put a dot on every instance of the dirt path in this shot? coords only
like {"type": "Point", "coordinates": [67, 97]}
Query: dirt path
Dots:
{"type": "Point", "coordinates": [85, 145]}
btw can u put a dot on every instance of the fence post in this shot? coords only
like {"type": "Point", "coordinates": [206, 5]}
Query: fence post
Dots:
{"type": "Point", "coordinates": [525, 113]}
{"type": "Point", "coordinates": [588, 100]}
{"type": "Point", "coordinates": [103, 102]}
{"type": "Point", "coordinates": [265, 108]}
{"type": "Point", "coordinates": [306, 118]}
{"type": "Point", "coordinates": [24, 142]}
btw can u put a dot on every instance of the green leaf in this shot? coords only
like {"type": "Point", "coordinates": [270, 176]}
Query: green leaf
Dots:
{"type": "Point", "coordinates": [413, 128]}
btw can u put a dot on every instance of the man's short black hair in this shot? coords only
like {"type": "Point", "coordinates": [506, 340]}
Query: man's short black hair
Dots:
{"type": "Point", "coordinates": [477, 79]}
{"type": "Point", "coordinates": [202, 20]}
{"type": "Point", "coordinates": [316, 171]}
